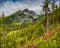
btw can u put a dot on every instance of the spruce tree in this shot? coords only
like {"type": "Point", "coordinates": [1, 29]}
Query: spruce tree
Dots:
{"type": "Point", "coordinates": [45, 9]}
{"type": "Point", "coordinates": [53, 5]}
{"type": "Point", "coordinates": [3, 21]}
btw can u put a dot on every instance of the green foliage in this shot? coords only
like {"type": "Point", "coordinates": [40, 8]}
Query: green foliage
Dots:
{"type": "Point", "coordinates": [30, 34]}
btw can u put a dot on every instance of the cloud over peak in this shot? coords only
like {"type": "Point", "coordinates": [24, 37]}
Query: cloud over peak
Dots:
{"type": "Point", "coordinates": [11, 6]}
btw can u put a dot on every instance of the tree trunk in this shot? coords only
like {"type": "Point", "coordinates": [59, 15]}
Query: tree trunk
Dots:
{"type": "Point", "coordinates": [46, 16]}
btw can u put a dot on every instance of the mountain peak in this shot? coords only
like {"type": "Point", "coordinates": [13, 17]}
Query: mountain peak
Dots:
{"type": "Point", "coordinates": [25, 10]}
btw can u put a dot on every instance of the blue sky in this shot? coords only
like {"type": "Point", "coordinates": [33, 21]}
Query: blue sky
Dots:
{"type": "Point", "coordinates": [11, 6]}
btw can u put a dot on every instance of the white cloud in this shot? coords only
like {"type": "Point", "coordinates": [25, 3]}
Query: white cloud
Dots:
{"type": "Point", "coordinates": [57, 3]}
{"type": "Point", "coordinates": [10, 7]}
{"type": "Point", "coordinates": [37, 9]}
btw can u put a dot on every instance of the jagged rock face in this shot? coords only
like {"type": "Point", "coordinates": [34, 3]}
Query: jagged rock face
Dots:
{"type": "Point", "coordinates": [19, 16]}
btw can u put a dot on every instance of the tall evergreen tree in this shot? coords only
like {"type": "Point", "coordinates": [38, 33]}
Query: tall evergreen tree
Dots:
{"type": "Point", "coordinates": [3, 20]}
{"type": "Point", "coordinates": [53, 8]}
{"type": "Point", "coordinates": [56, 15]}
{"type": "Point", "coordinates": [59, 3]}
{"type": "Point", "coordinates": [45, 9]}
{"type": "Point", "coordinates": [53, 5]}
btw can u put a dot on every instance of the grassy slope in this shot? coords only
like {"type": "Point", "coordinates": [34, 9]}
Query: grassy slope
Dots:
{"type": "Point", "coordinates": [24, 35]}
{"type": "Point", "coordinates": [33, 35]}
{"type": "Point", "coordinates": [47, 40]}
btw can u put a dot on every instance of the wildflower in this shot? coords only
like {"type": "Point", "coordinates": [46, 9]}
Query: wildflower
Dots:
{"type": "Point", "coordinates": [58, 29]}
{"type": "Point", "coordinates": [28, 46]}
{"type": "Point", "coordinates": [50, 33]}
{"type": "Point", "coordinates": [34, 47]}
{"type": "Point", "coordinates": [18, 45]}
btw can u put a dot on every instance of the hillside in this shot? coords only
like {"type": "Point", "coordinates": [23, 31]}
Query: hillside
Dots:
{"type": "Point", "coordinates": [19, 16]}
{"type": "Point", "coordinates": [19, 19]}
{"type": "Point", "coordinates": [34, 35]}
